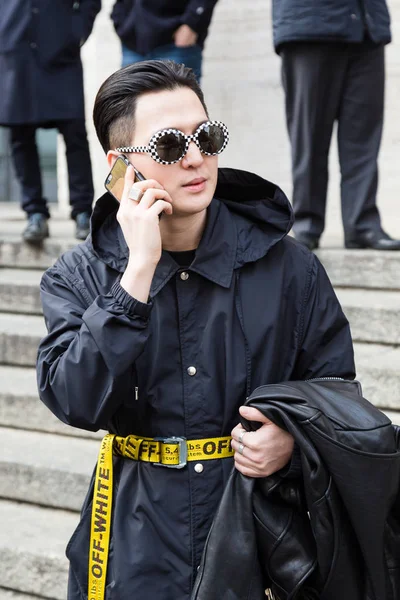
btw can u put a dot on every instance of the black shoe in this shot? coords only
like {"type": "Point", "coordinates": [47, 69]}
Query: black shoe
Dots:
{"type": "Point", "coordinates": [376, 240]}
{"type": "Point", "coordinates": [82, 226]}
{"type": "Point", "coordinates": [37, 229]}
{"type": "Point", "coordinates": [310, 241]}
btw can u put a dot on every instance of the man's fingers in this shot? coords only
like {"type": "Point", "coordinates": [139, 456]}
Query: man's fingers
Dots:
{"type": "Point", "coordinates": [143, 186]}
{"type": "Point", "coordinates": [246, 467]}
{"type": "Point", "coordinates": [237, 431]}
{"type": "Point", "coordinates": [249, 472]}
{"type": "Point", "coordinates": [252, 414]}
{"type": "Point", "coordinates": [128, 182]}
{"type": "Point", "coordinates": [152, 195]}
{"type": "Point", "coordinates": [160, 206]}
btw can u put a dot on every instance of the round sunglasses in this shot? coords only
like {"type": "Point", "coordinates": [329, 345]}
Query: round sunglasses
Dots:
{"type": "Point", "coordinates": [169, 146]}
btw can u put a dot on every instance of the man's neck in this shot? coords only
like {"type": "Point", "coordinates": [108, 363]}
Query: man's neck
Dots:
{"type": "Point", "coordinates": [182, 233]}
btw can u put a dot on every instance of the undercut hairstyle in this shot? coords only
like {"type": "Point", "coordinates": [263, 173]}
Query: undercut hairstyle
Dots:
{"type": "Point", "coordinates": [115, 103]}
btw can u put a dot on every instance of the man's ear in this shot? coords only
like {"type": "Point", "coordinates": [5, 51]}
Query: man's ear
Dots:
{"type": "Point", "coordinates": [112, 156]}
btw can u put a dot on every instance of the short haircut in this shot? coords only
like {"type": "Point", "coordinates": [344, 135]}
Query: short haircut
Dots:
{"type": "Point", "coordinates": [115, 103]}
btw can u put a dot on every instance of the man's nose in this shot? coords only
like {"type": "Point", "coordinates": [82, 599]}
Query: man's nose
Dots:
{"type": "Point", "coordinates": [194, 156]}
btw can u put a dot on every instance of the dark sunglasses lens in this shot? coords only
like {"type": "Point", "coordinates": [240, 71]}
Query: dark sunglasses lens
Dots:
{"type": "Point", "coordinates": [211, 139]}
{"type": "Point", "coordinates": [171, 147]}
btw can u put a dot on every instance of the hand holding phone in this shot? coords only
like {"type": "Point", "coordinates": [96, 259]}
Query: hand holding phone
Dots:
{"type": "Point", "coordinates": [115, 180]}
{"type": "Point", "coordinates": [139, 220]}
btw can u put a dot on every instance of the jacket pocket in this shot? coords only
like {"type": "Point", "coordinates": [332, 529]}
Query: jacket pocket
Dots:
{"type": "Point", "coordinates": [337, 558]}
{"type": "Point", "coordinates": [286, 549]}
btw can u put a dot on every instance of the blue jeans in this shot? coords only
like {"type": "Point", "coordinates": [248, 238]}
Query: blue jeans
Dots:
{"type": "Point", "coordinates": [190, 56]}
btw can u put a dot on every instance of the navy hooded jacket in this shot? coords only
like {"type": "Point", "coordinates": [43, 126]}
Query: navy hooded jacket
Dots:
{"type": "Point", "coordinates": [256, 308]}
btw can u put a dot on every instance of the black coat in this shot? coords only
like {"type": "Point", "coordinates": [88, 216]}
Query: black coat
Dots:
{"type": "Point", "coordinates": [334, 532]}
{"type": "Point", "coordinates": [40, 67]}
{"type": "Point", "coordinates": [256, 308]}
{"type": "Point", "coordinates": [330, 20]}
{"type": "Point", "coordinates": [143, 25]}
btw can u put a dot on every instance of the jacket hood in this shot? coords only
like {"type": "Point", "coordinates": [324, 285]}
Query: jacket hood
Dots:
{"type": "Point", "coordinates": [260, 208]}
{"type": "Point", "coordinates": [246, 218]}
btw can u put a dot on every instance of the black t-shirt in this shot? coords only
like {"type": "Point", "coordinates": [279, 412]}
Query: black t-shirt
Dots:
{"type": "Point", "coordinates": [185, 258]}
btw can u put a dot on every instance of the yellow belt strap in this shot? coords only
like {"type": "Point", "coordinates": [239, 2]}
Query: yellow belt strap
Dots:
{"type": "Point", "coordinates": [170, 452]}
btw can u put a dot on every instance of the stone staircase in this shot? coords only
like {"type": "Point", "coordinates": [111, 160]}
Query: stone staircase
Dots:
{"type": "Point", "coordinates": [45, 466]}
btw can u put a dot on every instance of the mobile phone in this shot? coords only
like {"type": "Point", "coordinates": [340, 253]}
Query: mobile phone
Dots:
{"type": "Point", "coordinates": [115, 180]}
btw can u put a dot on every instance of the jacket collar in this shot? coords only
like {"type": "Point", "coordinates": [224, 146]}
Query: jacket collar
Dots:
{"type": "Point", "coordinates": [246, 218]}
{"type": "Point", "coordinates": [215, 256]}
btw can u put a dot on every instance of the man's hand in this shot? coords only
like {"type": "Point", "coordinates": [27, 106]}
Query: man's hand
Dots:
{"type": "Point", "coordinates": [140, 225]}
{"type": "Point", "coordinates": [185, 36]}
{"type": "Point", "coordinates": [263, 452]}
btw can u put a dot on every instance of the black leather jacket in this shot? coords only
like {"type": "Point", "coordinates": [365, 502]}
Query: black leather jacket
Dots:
{"type": "Point", "coordinates": [333, 533]}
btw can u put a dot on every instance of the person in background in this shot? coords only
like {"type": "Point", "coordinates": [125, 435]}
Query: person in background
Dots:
{"type": "Point", "coordinates": [333, 69]}
{"type": "Point", "coordinates": [170, 29]}
{"type": "Point", "coordinates": [41, 85]}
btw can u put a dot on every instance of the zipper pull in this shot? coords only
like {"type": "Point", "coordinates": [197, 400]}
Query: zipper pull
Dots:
{"type": "Point", "coordinates": [136, 393]}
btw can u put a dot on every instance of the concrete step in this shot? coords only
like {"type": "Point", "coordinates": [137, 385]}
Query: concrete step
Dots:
{"type": "Point", "coordinates": [362, 268]}
{"type": "Point", "coordinates": [346, 268]}
{"type": "Point", "coordinates": [46, 469]}
{"type": "Point", "coordinates": [19, 338]}
{"type": "Point", "coordinates": [19, 291]}
{"type": "Point", "coordinates": [21, 408]}
{"type": "Point", "coordinates": [373, 314]}
{"type": "Point", "coordinates": [394, 416]}
{"type": "Point", "coordinates": [20, 335]}
{"type": "Point", "coordinates": [12, 595]}
{"type": "Point", "coordinates": [373, 317]}
{"type": "Point", "coordinates": [18, 254]}
{"type": "Point", "coordinates": [32, 549]}
{"type": "Point", "coordinates": [378, 370]}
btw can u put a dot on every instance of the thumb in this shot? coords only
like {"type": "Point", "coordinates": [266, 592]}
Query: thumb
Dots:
{"type": "Point", "coordinates": [253, 414]}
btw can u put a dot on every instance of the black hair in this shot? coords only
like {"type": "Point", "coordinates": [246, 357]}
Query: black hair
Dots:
{"type": "Point", "coordinates": [115, 103]}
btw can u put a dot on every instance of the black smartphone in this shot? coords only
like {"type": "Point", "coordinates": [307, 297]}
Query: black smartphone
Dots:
{"type": "Point", "coordinates": [115, 180]}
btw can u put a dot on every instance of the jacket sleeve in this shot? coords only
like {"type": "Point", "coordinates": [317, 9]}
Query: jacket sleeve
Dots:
{"type": "Point", "coordinates": [198, 14]}
{"type": "Point", "coordinates": [85, 362]}
{"type": "Point", "coordinates": [325, 347]}
{"type": "Point", "coordinates": [89, 10]}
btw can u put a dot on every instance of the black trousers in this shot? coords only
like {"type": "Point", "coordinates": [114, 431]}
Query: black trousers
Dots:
{"type": "Point", "coordinates": [324, 83]}
{"type": "Point", "coordinates": [27, 167]}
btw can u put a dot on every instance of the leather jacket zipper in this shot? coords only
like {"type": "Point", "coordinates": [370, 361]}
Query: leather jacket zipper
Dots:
{"type": "Point", "coordinates": [326, 379]}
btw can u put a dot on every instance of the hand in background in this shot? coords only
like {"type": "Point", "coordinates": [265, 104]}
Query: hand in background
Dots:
{"type": "Point", "coordinates": [264, 451]}
{"type": "Point", "coordinates": [185, 36]}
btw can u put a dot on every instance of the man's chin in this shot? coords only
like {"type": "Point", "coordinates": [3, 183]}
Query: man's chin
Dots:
{"type": "Point", "coordinates": [192, 203]}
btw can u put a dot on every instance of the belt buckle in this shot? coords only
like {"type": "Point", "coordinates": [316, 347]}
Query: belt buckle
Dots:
{"type": "Point", "coordinates": [181, 441]}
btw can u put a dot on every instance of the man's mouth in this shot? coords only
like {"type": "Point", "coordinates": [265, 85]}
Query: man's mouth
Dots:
{"type": "Point", "coordinates": [196, 185]}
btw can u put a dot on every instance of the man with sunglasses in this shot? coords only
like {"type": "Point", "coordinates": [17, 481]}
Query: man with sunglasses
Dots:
{"type": "Point", "coordinates": [187, 296]}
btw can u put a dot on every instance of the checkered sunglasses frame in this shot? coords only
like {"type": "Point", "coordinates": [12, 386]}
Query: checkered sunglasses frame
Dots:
{"type": "Point", "coordinates": [152, 147]}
